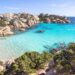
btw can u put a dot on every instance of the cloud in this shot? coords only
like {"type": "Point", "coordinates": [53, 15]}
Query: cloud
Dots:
{"type": "Point", "coordinates": [9, 8]}
{"type": "Point", "coordinates": [59, 5]}
{"type": "Point", "coordinates": [12, 8]}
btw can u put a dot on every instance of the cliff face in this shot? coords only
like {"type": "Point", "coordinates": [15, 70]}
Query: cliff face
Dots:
{"type": "Point", "coordinates": [21, 21]}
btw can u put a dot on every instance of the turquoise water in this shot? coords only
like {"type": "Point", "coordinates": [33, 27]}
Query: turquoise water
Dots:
{"type": "Point", "coordinates": [14, 46]}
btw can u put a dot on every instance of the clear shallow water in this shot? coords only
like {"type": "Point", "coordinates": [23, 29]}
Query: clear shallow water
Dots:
{"type": "Point", "coordinates": [14, 46]}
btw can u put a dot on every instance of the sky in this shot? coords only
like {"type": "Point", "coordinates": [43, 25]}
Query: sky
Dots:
{"type": "Point", "coordinates": [57, 7]}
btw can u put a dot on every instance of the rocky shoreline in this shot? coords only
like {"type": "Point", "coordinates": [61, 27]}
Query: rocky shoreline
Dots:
{"type": "Point", "coordinates": [53, 18]}
{"type": "Point", "coordinates": [9, 23]}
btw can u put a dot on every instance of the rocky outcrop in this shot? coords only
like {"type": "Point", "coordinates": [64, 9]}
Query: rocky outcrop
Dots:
{"type": "Point", "coordinates": [16, 22]}
{"type": "Point", "coordinates": [53, 18]}
{"type": "Point", "coordinates": [47, 20]}
{"type": "Point", "coordinates": [22, 21]}
{"type": "Point", "coordinates": [6, 31]}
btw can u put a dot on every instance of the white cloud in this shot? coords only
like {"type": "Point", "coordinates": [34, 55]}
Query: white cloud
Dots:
{"type": "Point", "coordinates": [9, 8]}
{"type": "Point", "coordinates": [58, 5]}
{"type": "Point", "coordinates": [12, 8]}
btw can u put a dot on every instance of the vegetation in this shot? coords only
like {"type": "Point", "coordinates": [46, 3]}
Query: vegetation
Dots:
{"type": "Point", "coordinates": [29, 62]}
{"type": "Point", "coordinates": [63, 61]}
{"type": "Point", "coordinates": [2, 23]}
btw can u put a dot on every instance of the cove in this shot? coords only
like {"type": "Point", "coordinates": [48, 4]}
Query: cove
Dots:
{"type": "Point", "coordinates": [35, 39]}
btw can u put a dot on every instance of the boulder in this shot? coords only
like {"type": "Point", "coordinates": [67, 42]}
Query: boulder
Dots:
{"type": "Point", "coordinates": [47, 20]}
{"type": "Point", "coordinates": [22, 29]}
{"type": "Point", "coordinates": [1, 68]}
{"type": "Point", "coordinates": [6, 31]}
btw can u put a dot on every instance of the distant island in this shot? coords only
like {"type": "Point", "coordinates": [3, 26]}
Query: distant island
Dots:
{"type": "Point", "coordinates": [11, 22]}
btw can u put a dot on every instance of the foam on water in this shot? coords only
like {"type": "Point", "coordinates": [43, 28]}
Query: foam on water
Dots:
{"type": "Point", "coordinates": [13, 46]}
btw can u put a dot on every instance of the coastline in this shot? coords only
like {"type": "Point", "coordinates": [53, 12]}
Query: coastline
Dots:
{"type": "Point", "coordinates": [20, 28]}
{"type": "Point", "coordinates": [9, 23]}
{"type": "Point", "coordinates": [16, 39]}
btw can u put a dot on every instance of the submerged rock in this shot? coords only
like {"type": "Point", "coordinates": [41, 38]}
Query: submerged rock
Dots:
{"type": "Point", "coordinates": [40, 31]}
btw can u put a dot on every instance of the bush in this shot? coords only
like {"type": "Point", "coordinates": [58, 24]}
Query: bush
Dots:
{"type": "Point", "coordinates": [31, 61]}
{"type": "Point", "coordinates": [2, 23]}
